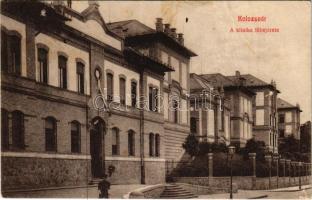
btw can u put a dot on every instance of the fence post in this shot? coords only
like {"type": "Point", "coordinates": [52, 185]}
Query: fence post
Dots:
{"type": "Point", "coordinates": [282, 161]}
{"type": "Point", "coordinates": [289, 169]}
{"type": "Point", "coordinates": [210, 168]}
{"type": "Point", "coordinates": [276, 159]}
{"type": "Point", "coordinates": [252, 157]}
{"type": "Point", "coordinates": [268, 158]}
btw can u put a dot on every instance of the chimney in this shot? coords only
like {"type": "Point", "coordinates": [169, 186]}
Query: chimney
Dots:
{"type": "Point", "coordinates": [174, 33]}
{"type": "Point", "coordinates": [180, 38]}
{"type": "Point", "coordinates": [167, 29]}
{"type": "Point", "coordinates": [93, 3]}
{"type": "Point", "coordinates": [237, 73]}
{"type": "Point", "coordinates": [159, 25]}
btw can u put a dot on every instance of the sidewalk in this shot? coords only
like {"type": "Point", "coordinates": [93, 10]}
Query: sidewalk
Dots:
{"type": "Point", "coordinates": [116, 191]}
{"type": "Point", "coordinates": [291, 189]}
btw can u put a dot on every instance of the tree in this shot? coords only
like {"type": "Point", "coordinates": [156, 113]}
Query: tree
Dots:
{"type": "Point", "coordinates": [254, 146]}
{"type": "Point", "coordinates": [191, 145]}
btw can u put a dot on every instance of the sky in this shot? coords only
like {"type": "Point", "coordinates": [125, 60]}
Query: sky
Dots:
{"type": "Point", "coordinates": [283, 56]}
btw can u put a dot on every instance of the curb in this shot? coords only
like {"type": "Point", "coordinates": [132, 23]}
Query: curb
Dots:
{"type": "Point", "coordinates": [259, 197]}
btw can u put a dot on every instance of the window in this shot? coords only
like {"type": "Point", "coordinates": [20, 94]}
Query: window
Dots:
{"type": "Point", "coordinates": [281, 118]}
{"type": "Point", "coordinates": [288, 129]}
{"type": "Point", "coordinates": [133, 93]}
{"type": "Point", "coordinates": [131, 143]}
{"type": "Point", "coordinates": [62, 62]}
{"type": "Point", "coordinates": [260, 99]}
{"type": "Point", "coordinates": [259, 117]}
{"type": "Point", "coordinates": [18, 130]}
{"type": "Point", "coordinates": [11, 52]}
{"type": "Point", "coordinates": [175, 106]}
{"type": "Point", "coordinates": [43, 65]}
{"type": "Point", "coordinates": [157, 144]}
{"type": "Point", "coordinates": [75, 137]}
{"type": "Point", "coordinates": [153, 99]}
{"type": "Point", "coordinates": [4, 129]}
{"type": "Point", "coordinates": [281, 133]}
{"type": "Point", "coordinates": [115, 141]}
{"type": "Point", "coordinates": [109, 87]}
{"type": "Point", "coordinates": [50, 134]}
{"type": "Point", "coordinates": [122, 91]}
{"type": "Point", "coordinates": [151, 144]}
{"type": "Point", "coordinates": [193, 125]}
{"type": "Point", "coordinates": [288, 117]}
{"type": "Point", "coordinates": [80, 77]}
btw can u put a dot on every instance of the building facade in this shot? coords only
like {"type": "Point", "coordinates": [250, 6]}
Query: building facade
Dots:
{"type": "Point", "coordinates": [265, 109]}
{"type": "Point", "coordinates": [240, 106]}
{"type": "Point", "coordinates": [79, 98]}
{"type": "Point", "coordinates": [210, 111]}
{"type": "Point", "coordinates": [166, 46]}
{"type": "Point", "coordinates": [288, 119]}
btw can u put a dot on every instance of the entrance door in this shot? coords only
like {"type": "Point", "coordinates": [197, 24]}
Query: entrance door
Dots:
{"type": "Point", "coordinates": [96, 147]}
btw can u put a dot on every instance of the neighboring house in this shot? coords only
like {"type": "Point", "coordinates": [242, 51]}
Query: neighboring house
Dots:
{"type": "Point", "coordinates": [265, 109]}
{"type": "Point", "coordinates": [167, 47]}
{"type": "Point", "coordinates": [56, 63]}
{"type": "Point", "coordinates": [288, 119]}
{"type": "Point", "coordinates": [305, 137]}
{"type": "Point", "coordinates": [239, 99]}
{"type": "Point", "coordinates": [210, 111]}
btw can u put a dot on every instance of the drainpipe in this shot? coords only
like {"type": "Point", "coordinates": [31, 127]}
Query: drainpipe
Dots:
{"type": "Point", "coordinates": [142, 106]}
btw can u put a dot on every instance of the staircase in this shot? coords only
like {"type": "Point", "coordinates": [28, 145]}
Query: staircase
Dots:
{"type": "Point", "coordinates": [173, 191]}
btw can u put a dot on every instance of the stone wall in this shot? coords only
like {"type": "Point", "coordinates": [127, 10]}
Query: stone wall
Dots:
{"type": "Point", "coordinates": [149, 192]}
{"type": "Point", "coordinates": [244, 182]}
{"type": "Point", "coordinates": [30, 173]}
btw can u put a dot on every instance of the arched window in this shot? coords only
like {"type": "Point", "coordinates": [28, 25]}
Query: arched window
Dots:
{"type": "Point", "coordinates": [157, 145]}
{"type": "Point", "coordinates": [133, 93]}
{"type": "Point", "coordinates": [131, 143]}
{"type": "Point", "coordinates": [122, 90]}
{"type": "Point", "coordinates": [50, 134]}
{"type": "Point", "coordinates": [115, 141]}
{"type": "Point", "coordinates": [75, 137]}
{"type": "Point", "coordinates": [18, 130]}
{"type": "Point", "coordinates": [109, 86]}
{"type": "Point", "coordinates": [43, 65]}
{"type": "Point", "coordinates": [151, 144]}
{"type": "Point", "coordinates": [80, 77]}
{"type": "Point", "coordinates": [11, 51]}
{"type": "Point", "coordinates": [4, 129]}
{"type": "Point", "coordinates": [175, 106]}
{"type": "Point", "coordinates": [62, 65]}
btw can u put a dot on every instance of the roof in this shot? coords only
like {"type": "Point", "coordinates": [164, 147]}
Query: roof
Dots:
{"type": "Point", "coordinates": [196, 82]}
{"type": "Point", "coordinates": [282, 104]}
{"type": "Point", "coordinates": [134, 30]}
{"type": "Point", "coordinates": [251, 80]}
{"type": "Point", "coordinates": [218, 80]}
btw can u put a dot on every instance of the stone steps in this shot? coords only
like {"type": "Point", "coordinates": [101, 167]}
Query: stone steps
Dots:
{"type": "Point", "coordinates": [173, 191]}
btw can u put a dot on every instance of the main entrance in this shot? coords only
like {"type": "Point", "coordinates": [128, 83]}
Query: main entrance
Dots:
{"type": "Point", "coordinates": [96, 147]}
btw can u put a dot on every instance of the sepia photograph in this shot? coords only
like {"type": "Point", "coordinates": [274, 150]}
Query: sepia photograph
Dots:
{"type": "Point", "coordinates": [156, 99]}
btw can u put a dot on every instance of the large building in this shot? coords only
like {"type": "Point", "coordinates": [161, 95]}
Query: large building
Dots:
{"type": "Point", "coordinates": [288, 119]}
{"type": "Point", "coordinates": [79, 97]}
{"type": "Point", "coordinates": [265, 109]}
{"type": "Point", "coordinates": [240, 100]}
{"type": "Point", "coordinates": [210, 111]}
{"type": "Point", "coordinates": [166, 46]}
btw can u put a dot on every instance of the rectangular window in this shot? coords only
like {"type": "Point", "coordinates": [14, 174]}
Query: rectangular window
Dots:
{"type": "Point", "coordinates": [11, 53]}
{"type": "Point", "coordinates": [281, 118]}
{"type": "Point", "coordinates": [153, 99]}
{"type": "Point", "coordinates": [62, 62]}
{"type": "Point", "coordinates": [193, 125]}
{"type": "Point", "coordinates": [131, 143]}
{"type": "Point", "coordinates": [4, 51]}
{"type": "Point", "coordinates": [43, 65]}
{"type": "Point", "coordinates": [288, 117]}
{"type": "Point", "coordinates": [133, 93]}
{"type": "Point", "coordinates": [75, 137]}
{"type": "Point", "coordinates": [50, 134]}
{"type": "Point", "coordinates": [259, 98]}
{"type": "Point", "coordinates": [288, 129]}
{"type": "Point", "coordinates": [259, 117]}
{"type": "Point", "coordinates": [115, 141]}
{"type": "Point", "coordinates": [109, 87]}
{"type": "Point", "coordinates": [281, 133]}
{"type": "Point", "coordinates": [122, 91]}
{"type": "Point", "coordinates": [80, 77]}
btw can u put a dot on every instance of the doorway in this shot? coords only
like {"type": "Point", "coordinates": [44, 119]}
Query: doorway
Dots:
{"type": "Point", "coordinates": [96, 141]}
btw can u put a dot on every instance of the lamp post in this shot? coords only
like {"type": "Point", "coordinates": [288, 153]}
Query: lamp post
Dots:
{"type": "Point", "coordinates": [300, 165]}
{"type": "Point", "coordinates": [268, 158]}
{"type": "Point", "coordinates": [231, 153]}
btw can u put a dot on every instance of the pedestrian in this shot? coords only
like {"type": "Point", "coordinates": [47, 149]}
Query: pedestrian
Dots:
{"type": "Point", "coordinates": [104, 186]}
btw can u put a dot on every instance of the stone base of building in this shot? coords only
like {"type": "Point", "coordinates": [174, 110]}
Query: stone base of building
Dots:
{"type": "Point", "coordinates": [55, 170]}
